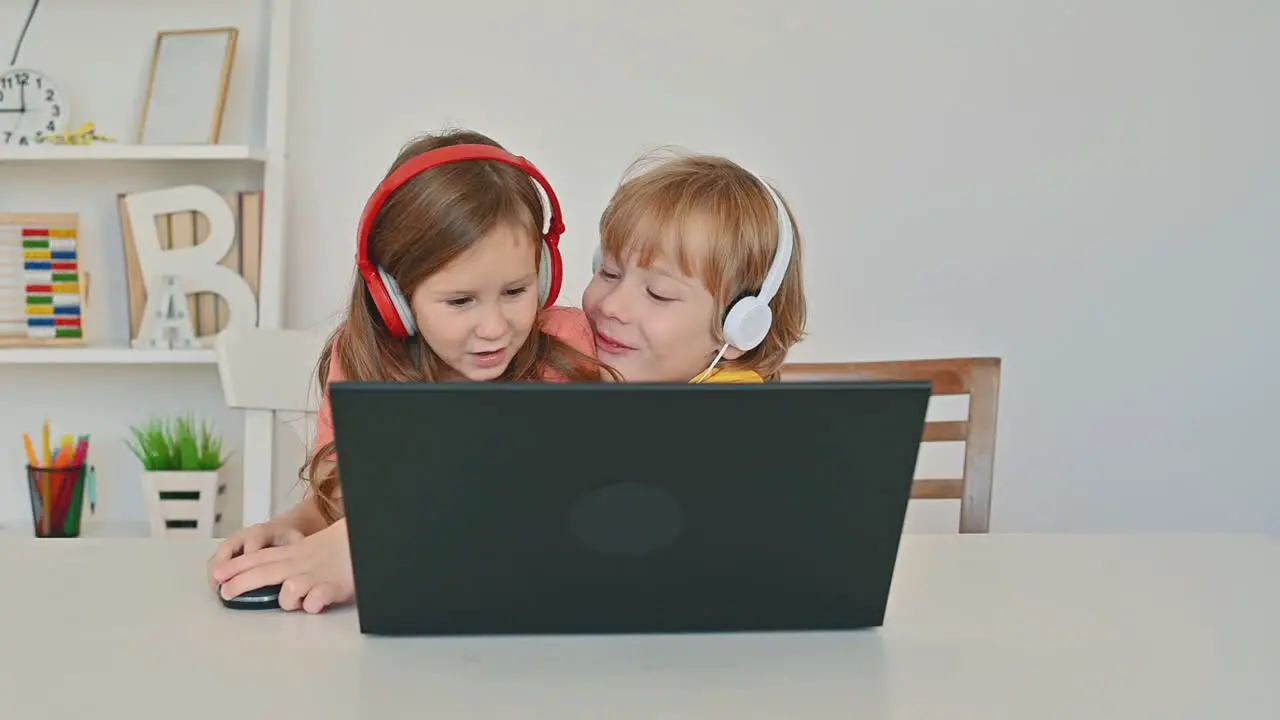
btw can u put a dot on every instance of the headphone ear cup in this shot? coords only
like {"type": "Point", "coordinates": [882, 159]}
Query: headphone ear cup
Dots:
{"type": "Point", "coordinates": [380, 301]}
{"type": "Point", "coordinates": [544, 275]}
{"type": "Point", "coordinates": [550, 275]}
{"type": "Point", "coordinates": [747, 323]}
{"type": "Point", "coordinates": [399, 306]}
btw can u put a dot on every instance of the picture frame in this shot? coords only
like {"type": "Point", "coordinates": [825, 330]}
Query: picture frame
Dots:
{"type": "Point", "coordinates": [187, 87]}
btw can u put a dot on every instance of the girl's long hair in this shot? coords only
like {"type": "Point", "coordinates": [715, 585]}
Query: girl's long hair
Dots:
{"type": "Point", "coordinates": [425, 224]}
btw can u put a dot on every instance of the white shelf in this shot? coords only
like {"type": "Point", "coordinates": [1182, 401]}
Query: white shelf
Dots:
{"type": "Point", "coordinates": [128, 152]}
{"type": "Point", "coordinates": [264, 152]}
{"type": "Point", "coordinates": [104, 355]}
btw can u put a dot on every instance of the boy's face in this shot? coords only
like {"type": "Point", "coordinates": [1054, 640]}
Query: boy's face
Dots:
{"type": "Point", "coordinates": [477, 311]}
{"type": "Point", "coordinates": [652, 324]}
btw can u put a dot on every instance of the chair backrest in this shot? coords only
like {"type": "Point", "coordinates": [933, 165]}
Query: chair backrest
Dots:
{"type": "Point", "coordinates": [979, 378]}
{"type": "Point", "coordinates": [271, 375]}
{"type": "Point", "coordinates": [265, 369]}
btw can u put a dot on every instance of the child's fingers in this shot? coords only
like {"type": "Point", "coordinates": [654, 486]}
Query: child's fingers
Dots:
{"type": "Point", "coordinates": [293, 590]}
{"type": "Point", "coordinates": [228, 549]}
{"type": "Point", "coordinates": [252, 579]}
{"type": "Point", "coordinates": [255, 540]}
{"type": "Point", "coordinates": [250, 560]}
{"type": "Point", "coordinates": [320, 597]}
{"type": "Point", "coordinates": [247, 541]}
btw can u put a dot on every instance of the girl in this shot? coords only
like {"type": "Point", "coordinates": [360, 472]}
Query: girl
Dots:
{"type": "Point", "coordinates": [456, 281]}
{"type": "Point", "coordinates": [698, 276]}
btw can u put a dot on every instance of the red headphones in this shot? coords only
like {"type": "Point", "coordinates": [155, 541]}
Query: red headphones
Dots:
{"type": "Point", "coordinates": [392, 305]}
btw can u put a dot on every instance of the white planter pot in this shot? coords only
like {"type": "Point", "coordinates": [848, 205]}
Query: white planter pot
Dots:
{"type": "Point", "coordinates": [181, 503]}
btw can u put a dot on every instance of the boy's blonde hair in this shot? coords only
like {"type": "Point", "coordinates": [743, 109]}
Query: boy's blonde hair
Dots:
{"type": "Point", "coordinates": [712, 218]}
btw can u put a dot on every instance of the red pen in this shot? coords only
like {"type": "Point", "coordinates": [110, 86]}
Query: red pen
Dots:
{"type": "Point", "coordinates": [82, 449]}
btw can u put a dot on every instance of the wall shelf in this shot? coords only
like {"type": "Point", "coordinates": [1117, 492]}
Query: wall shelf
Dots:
{"type": "Point", "coordinates": [130, 153]}
{"type": "Point", "coordinates": [104, 355]}
{"type": "Point", "coordinates": [88, 179]}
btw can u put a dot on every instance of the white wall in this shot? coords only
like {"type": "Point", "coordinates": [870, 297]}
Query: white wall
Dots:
{"type": "Point", "coordinates": [1090, 190]}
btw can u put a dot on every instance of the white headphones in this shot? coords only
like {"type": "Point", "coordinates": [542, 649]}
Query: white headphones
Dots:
{"type": "Point", "coordinates": [748, 320]}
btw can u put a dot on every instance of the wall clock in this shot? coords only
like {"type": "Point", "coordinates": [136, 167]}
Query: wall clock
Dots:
{"type": "Point", "coordinates": [30, 107]}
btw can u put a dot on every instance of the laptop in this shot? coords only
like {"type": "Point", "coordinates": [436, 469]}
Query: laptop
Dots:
{"type": "Point", "coordinates": [533, 509]}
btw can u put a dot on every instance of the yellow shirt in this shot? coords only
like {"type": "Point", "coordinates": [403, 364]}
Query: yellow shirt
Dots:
{"type": "Point", "coordinates": [735, 377]}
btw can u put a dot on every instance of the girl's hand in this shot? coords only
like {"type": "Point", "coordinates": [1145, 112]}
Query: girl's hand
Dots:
{"type": "Point", "coordinates": [314, 573]}
{"type": "Point", "coordinates": [250, 540]}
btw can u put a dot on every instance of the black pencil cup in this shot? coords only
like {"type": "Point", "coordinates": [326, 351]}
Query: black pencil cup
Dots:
{"type": "Point", "coordinates": [57, 500]}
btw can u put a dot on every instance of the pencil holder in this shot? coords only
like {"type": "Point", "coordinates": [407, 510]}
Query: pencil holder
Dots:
{"type": "Point", "coordinates": [57, 499]}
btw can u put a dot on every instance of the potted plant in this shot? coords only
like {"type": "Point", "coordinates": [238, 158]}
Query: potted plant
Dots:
{"type": "Point", "coordinates": [182, 464]}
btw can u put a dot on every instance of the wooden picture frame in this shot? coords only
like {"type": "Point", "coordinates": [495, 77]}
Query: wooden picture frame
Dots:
{"type": "Point", "coordinates": [43, 285]}
{"type": "Point", "coordinates": [187, 87]}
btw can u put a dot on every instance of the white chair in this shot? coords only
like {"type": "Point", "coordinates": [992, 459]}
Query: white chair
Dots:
{"type": "Point", "coordinates": [271, 375]}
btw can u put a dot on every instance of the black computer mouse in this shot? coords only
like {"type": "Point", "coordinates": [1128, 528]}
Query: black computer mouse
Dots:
{"type": "Point", "coordinates": [263, 598]}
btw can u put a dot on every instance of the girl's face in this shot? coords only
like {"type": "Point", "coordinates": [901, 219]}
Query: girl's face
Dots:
{"type": "Point", "coordinates": [652, 324]}
{"type": "Point", "coordinates": [478, 310]}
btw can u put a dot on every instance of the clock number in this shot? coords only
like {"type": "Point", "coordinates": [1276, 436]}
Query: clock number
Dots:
{"type": "Point", "coordinates": [57, 110]}
{"type": "Point", "coordinates": [23, 78]}
{"type": "Point", "coordinates": [23, 140]}
{"type": "Point", "coordinates": [48, 95]}
{"type": "Point", "coordinates": [1, 96]}
{"type": "Point", "coordinates": [7, 135]}
{"type": "Point", "coordinates": [51, 127]}
{"type": "Point", "coordinates": [39, 83]}
{"type": "Point", "coordinates": [6, 82]}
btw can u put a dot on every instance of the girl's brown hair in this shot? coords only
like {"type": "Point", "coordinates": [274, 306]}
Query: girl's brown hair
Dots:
{"type": "Point", "coordinates": [711, 217]}
{"type": "Point", "coordinates": [423, 226]}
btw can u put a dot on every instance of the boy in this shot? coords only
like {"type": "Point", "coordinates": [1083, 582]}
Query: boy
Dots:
{"type": "Point", "coordinates": [698, 276]}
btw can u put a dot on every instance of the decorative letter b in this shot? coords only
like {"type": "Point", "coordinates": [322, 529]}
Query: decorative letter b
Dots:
{"type": "Point", "coordinates": [196, 267]}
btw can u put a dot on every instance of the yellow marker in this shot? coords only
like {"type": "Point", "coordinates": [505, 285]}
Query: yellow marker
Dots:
{"type": "Point", "coordinates": [48, 451]}
{"type": "Point", "coordinates": [67, 452]}
{"type": "Point", "coordinates": [31, 450]}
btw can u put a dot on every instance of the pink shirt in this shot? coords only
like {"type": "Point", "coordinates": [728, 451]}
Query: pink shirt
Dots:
{"type": "Point", "coordinates": [568, 324]}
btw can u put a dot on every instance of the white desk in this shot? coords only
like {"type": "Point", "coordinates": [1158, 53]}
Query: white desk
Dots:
{"type": "Point", "coordinates": [1025, 627]}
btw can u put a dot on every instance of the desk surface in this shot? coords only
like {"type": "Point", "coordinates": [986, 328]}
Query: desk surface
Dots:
{"type": "Point", "coordinates": [990, 627]}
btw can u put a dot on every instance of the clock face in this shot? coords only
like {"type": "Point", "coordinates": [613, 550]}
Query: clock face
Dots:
{"type": "Point", "coordinates": [30, 108]}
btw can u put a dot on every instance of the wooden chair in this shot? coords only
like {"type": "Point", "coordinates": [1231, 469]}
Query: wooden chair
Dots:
{"type": "Point", "coordinates": [979, 378]}
{"type": "Point", "coordinates": [270, 374]}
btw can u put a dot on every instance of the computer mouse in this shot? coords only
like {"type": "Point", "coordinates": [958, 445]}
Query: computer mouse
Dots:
{"type": "Point", "coordinates": [263, 598]}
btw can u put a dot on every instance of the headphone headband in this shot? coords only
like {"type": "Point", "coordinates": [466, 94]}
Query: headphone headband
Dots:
{"type": "Point", "coordinates": [391, 303]}
{"type": "Point", "coordinates": [444, 156]}
{"type": "Point", "coordinates": [786, 242]}
{"type": "Point", "coordinates": [748, 320]}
